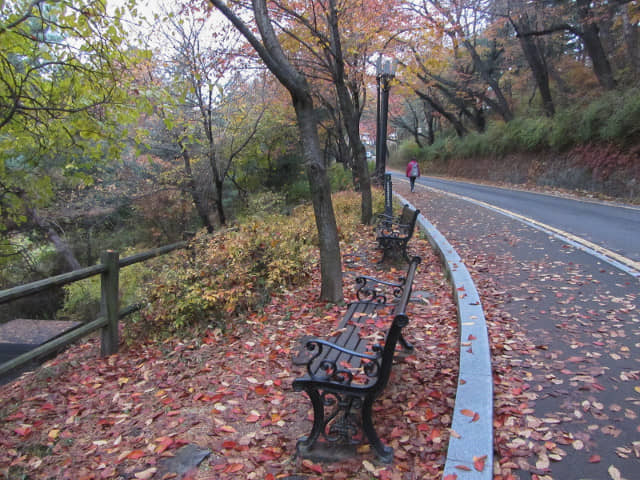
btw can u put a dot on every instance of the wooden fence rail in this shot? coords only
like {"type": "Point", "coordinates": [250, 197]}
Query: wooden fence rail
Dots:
{"type": "Point", "coordinates": [110, 313]}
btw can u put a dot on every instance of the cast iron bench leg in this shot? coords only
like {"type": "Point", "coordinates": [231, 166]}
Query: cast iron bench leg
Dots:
{"type": "Point", "coordinates": [406, 345]}
{"type": "Point", "coordinates": [385, 453]}
{"type": "Point", "coordinates": [305, 443]}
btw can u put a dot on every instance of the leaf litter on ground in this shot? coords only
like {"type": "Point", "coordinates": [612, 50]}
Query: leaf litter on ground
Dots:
{"type": "Point", "coordinates": [83, 417]}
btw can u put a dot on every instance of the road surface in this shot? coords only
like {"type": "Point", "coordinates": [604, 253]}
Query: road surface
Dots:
{"type": "Point", "coordinates": [609, 230]}
{"type": "Point", "coordinates": [563, 326]}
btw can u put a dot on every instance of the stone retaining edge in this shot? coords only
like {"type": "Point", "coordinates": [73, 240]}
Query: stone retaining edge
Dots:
{"type": "Point", "coordinates": [470, 450]}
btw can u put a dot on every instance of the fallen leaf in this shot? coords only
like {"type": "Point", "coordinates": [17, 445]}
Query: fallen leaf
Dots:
{"type": "Point", "coordinates": [233, 468]}
{"type": "Point", "coordinates": [135, 454]}
{"type": "Point", "coordinates": [312, 466]}
{"type": "Point", "coordinates": [146, 474]}
{"type": "Point", "coordinates": [614, 473]}
{"type": "Point", "coordinates": [478, 463]}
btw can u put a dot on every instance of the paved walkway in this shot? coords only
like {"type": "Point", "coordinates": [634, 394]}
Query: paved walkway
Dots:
{"type": "Point", "coordinates": [564, 339]}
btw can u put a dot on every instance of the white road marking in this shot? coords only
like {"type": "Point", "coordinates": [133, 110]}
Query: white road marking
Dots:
{"type": "Point", "coordinates": [621, 262]}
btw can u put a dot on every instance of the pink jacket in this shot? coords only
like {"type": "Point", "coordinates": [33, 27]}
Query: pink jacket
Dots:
{"type": "Point", "coordinates": [410, 166]}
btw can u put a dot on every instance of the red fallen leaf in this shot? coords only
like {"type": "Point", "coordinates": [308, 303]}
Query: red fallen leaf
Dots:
{"type": "Point", "coordinates": [594, 459]}
{"type": "Point", "coordinates": [269, 454]}
{"type": "Point", "coordinates": [476, 417]}
{"type": "Point", "coordinates": [233, 467]}
{"type": "Point", "coordinates": [312, 466]}
{"type": "Point", "coordinates": [467, 413]}
{"type": "Point", "coordinates": [229, 444]}
{"type": "Point", "coordinates": [261, 390]}
{"type": "Point", "coordinates": [471, 337]}
{"type": "Point", "coordinates": [252, 418]}
{"type": "Point", "coordinates": [15, 416]}
{"type": "Point", "coordinates": [451, 476]}
{"type": "Point", "coordinates": [163, 444]}
{"type": "Point", "coordinates": [22, 431]}
{"type": "Point", "coordinates": [463, 467]}
{"type": "Point", "coordinates": [135, 455]}
{"type": "Point", "coordinates": [478, 463]}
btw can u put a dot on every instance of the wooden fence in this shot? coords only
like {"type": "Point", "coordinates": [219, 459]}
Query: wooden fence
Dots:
{"type": "Point", "coordinates": [110, 313]}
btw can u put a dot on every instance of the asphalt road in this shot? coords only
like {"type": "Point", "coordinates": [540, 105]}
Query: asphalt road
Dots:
{"type": "Point", "coordinates": [612, 227]}
{"type": "Point", "coordinates": [564, 329]}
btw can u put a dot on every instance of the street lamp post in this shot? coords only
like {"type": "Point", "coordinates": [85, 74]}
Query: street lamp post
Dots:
{"type": "Point", "coordinates": [384, 74]}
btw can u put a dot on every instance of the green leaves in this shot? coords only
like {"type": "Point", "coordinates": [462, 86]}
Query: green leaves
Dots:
{"type": "Point", "coordinates": [61, 66]}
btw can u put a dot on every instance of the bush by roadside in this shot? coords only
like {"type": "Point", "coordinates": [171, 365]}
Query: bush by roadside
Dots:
{"type": "Point", "coordinates": [588, 147]}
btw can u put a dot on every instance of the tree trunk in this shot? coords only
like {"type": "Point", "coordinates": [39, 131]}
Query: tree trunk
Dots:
{"type": "Point", "coordinates": [218, 184]}
{"type": "Point", "coordinates": [270, 51]}
{"type": "Point", "coordinates": [536, 61]}
{"type": "Point", "coordinates": [590, 35]}
{"type": "Point", "coordinates": [431, 136]}
{"type": "Point", "coordinates": [631, 36]}
{"type": "Point", "coordinates": [201, 208]}
{"type": "Point", "coordinates": [599, 60]}
{"type": "Point", "coordinates": [330, 260]}
{"type": "Point", "coordinates": [485, 73]}
{"type": "Point", "coordinates": [351, 120]}
{"type": "Point", "coordinates": [456, 123]}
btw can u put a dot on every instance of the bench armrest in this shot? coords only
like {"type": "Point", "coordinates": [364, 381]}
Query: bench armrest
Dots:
{"type": "Point", "coordinates": [312, 343]}
{"type": "Point", "coordinates": [392, 228]}
{"type": "Point", "coordinates": [333, 372]}
{"type": "Point", "coordinates": [385, 216]}
{"type": "Point", "coordinates": [367, 290]}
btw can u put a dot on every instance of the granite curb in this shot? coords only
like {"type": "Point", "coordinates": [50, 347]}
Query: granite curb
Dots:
{"type": "Point", "coordinates": [470, 450]}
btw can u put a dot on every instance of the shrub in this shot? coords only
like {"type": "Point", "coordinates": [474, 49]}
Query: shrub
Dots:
{"type": "Point", "coordinates": [612, 118]}
{"type": "Point", "coordinates": [226, 276]}
{"type": "Point", "coordinates": [564, 134]}
{"type": "Point", "coordinates": [340, 177]}
{"type": "Point", "coordinates": [623, 125]}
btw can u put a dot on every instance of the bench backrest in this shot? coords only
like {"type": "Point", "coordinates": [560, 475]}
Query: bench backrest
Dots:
{"type": "Point", "coordinates": [412, 223]}
{"type": "Point", "coordinates": [400, 320]}
{"type": "Point", "coordinates": [405, 215]}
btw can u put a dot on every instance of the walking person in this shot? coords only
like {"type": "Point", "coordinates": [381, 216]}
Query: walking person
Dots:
{"type": "Point", "coordinates": [413, 172]}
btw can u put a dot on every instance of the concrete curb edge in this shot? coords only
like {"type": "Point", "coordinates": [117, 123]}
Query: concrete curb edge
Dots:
{"type": "Point", "coordinates": [470, 450]}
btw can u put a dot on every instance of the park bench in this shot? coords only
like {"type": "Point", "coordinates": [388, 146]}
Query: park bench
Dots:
{"type": "Point", "coordinates": [348, 372]}
{"type": "Point", "coordinates": [393, 234]}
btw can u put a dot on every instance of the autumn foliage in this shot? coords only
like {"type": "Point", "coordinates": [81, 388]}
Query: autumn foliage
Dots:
{"type": "Point", "coordinates": [222, 278]}
{"type": "Point", "coordinates": [83, 417]}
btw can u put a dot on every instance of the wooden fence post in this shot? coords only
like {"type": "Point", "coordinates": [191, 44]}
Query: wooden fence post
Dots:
{"type": "Point", "coordinates": [109, 302]}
